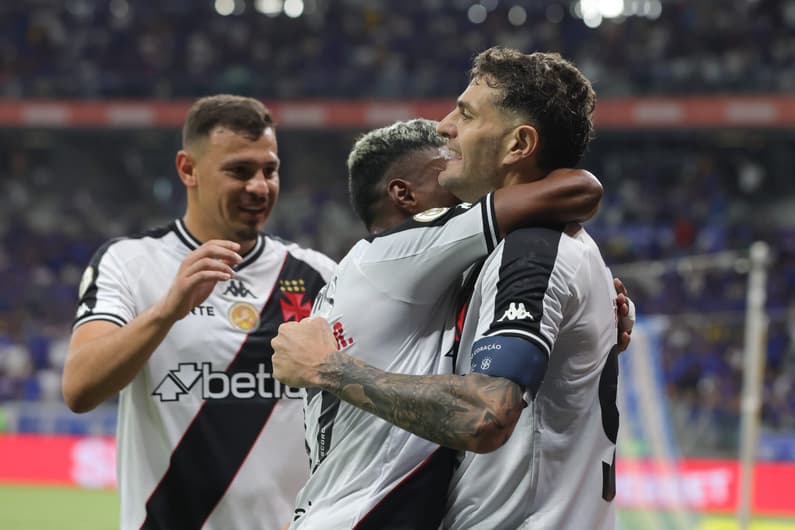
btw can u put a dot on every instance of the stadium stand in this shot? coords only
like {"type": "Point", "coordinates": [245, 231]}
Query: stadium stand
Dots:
{"type": "Point", "coordinates": [355, 49]}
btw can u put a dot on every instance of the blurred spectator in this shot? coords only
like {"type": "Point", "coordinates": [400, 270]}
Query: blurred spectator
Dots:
{"type": "Point", "coordinates": [353, 49]}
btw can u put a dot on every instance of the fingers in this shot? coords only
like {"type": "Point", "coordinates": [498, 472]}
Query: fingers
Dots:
{"type": "Point", "coordinates": [620, 287]}
{"type": "Point", "coordinates": [319, 323]}
{"type": "Point", "coordinates": [208, 264]}
{"type": "Point", "coordinates": [217, 249]}
{"type": "Point", "coordinates": [223, 243]}
{"type": "Point", "coordinates": [310, 337]}
{"type": "Point", "coordinates": [308, 327]}
{"type": "Point", "coordinates": [625, 325]}
{"type": "Point", "coordinates": [621, 305]}
{"type": "Point", "coordinates": [213, 261]}
{"type": "Point", "coordinates": [296, 353]}
{"type": "Point", "coordinates": [279, 342]}
{"type": "Point", "coordinates": [209, 276]}
{"type": "Point", "coordinates": [225, 254]}
{"type": "Point", "coordinates": [630, 312]}
{"type": "Point", "coordinates": [623, 341]}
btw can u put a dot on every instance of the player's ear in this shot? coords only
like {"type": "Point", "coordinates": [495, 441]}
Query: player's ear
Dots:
{"type": "Point", "coordinates": [522, 144]}
{"type": "Point", "coordinates": [401, 194]}
{"type": "Point", "coordinates": [186, 168]}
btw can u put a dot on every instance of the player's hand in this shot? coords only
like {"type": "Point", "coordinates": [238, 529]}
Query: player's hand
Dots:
{"type": "Point", "coordinates": [197, 275]}
{"type": "Point", "coordinates": [299, 351]}
{"type": "Point", "coordinates": [626, 315]}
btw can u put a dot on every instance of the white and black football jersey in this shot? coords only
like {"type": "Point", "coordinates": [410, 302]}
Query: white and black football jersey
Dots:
{"type": "Point", "coordinates": [391, 304]}
{"type": "Point", "coordinates": [207, 438]}
{"type": "Point", "coordinates": [556, 471]}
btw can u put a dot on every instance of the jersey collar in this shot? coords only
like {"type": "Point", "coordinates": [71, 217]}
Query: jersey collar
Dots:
{"type": "Point", "coordinates": [192, 243]}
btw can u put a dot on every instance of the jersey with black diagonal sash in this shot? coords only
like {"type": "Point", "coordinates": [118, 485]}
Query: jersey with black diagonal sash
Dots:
{"type": "Point", "coordinates": [206, 437]}
{"type": "Point", "coordinates": [392, 304]}
{"type": "Point", "coordinates": [551, 288]}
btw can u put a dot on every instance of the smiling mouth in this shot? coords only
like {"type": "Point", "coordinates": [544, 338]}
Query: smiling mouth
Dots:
{"type": "Point", "coordinates": [449, 154]}
{"type": "Point", "coordinates": [253, 210]}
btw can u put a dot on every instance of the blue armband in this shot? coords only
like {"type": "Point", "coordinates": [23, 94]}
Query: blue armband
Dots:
{"type": "Point", "coordinates": [513, 358]}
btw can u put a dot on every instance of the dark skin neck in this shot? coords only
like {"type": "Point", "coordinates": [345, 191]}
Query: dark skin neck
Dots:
{"type": "Point", "coordinates": [390, 216]}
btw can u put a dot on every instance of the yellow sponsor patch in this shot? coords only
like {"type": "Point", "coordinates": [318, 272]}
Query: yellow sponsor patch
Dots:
{"type": "Point", "coordinates": [244, 316]}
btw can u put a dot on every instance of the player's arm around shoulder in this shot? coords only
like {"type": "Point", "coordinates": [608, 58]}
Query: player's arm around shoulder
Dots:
{"type": "Point", "coordinates": [475, 413]}
{"type": "Point", "coordinates": [563, 196]}
{"type": "Point", "coordinates": [106, 351]}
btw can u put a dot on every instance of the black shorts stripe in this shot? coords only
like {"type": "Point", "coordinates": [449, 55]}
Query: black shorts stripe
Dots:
{"type": "Point", "coordinates": [220, 437]}
{"type": "Point", "coordinates": [418, 502]}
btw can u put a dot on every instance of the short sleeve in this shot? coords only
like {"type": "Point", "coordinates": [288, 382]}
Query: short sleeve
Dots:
{"type": "Point", "coordinates": [526, 288]}
{"type": "Point", "coordinates": [419, 259]}
{"type": "Point", "coordinates": [104, 292]}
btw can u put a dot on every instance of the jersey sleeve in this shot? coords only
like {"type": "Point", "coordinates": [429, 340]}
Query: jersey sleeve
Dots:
{"type": "Point", "coordinates": [419, 259]}
{"type": "Point", "coordinates": [324, 265]}
{"type": "Point", "coordinates": [104, 292]}
{"type": "Point", "coordinates": [526, 288]}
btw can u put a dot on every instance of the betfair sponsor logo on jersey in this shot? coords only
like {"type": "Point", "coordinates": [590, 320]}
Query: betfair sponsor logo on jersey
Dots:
{"type": "Point", "coordinates": [221, 385]}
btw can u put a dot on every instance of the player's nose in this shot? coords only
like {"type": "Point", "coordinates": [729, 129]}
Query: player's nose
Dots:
{"type": "Point", "coordinates": [258, 185]}
{"type": "Point", "coordinates": [446, 127]}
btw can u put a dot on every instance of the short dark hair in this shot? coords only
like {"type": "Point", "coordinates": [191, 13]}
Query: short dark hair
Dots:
{"type": "Point", "coordinates": [245, 116]}
{"type": "Point", "coordinates": [375, 152]}
{"type": "Point", "coordinates": [547, 90]}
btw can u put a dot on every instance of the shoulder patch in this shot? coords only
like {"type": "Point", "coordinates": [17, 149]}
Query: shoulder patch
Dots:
{"type": "Point", "coordinates": [430, 215]}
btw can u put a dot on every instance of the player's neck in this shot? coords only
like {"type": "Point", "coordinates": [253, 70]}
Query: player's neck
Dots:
{"type": "Point", "coordinates": [522, 176]}
{"type": "Point", "coordinates": [391, 216]}
{"type": "Point", "coordinates": [203, 233]}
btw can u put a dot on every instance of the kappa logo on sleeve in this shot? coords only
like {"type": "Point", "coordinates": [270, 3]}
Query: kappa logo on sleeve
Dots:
{"type": "Point", "coordinates": [516, 311]}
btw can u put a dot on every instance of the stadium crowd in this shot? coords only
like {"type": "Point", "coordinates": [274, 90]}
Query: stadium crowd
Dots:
{"type": "Point", "coordinates": [351, 48]}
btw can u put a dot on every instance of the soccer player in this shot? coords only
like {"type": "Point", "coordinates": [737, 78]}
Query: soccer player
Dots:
{"type": "Point", "coordinates": [179, 321]}
{"type": "Point", "coordinates": [538, 342]}
{"type": "Point", "coordinates": [397, 292]}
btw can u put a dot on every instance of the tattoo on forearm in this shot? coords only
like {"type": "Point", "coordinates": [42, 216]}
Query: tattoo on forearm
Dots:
{"type": "Point", "coordinates": [449, 410]}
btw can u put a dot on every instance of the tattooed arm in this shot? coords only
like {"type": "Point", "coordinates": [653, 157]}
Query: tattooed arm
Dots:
{"type": "Point", "coordinates": [475, 412]}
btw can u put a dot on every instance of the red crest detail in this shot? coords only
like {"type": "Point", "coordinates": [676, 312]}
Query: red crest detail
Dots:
{"type": "Point", "coordinates": [294, 307]}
